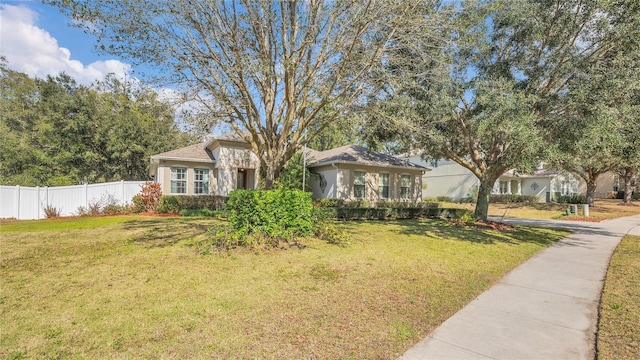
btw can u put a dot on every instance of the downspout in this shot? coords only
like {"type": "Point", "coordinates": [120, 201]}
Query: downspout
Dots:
{"type": "Point", "coordinates": [335, 196]}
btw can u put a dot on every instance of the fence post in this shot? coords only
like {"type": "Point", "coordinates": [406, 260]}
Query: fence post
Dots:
{"type": "Point", "coordinates": [38, 202]}
{"type": "Point", "coordinates": [122, 188]}
{"type": "Point", "coordinates": [18, 202]}
{"type": "Point", "coordinates": [85, 188]}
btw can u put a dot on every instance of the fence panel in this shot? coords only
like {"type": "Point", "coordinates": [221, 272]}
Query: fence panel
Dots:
{"type": "Point", "coordinates": [24, 203]}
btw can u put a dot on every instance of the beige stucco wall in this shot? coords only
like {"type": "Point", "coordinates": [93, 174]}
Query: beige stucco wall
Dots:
{"type": "Point", "coordinates": [230, 157]}
{"type": "Point", "coordinates": [330, 175]}
{"type": "Point", "coordinates": [344, 182]}
{"type": "Point", "coordinates": [164, 175]}
{"type": "Point", "coordinates": [446, 178]}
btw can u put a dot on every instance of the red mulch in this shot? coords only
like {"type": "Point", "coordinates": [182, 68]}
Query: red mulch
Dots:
{"type": "Point", "coordinates": [493, 225]}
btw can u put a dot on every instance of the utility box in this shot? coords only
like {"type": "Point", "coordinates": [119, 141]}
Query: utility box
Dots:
{"type": "Point", "coordinates": [585, 209]}
{"type": "Point", "coordinates": [574, 208]}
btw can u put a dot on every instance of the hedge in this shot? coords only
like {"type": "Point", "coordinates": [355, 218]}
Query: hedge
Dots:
{"type": "Point", "coordinates": [177, 203]}
{"type": "Point", "coordinates": [396, 213]}
{"type": "Point", "coordinates": [506, 198]}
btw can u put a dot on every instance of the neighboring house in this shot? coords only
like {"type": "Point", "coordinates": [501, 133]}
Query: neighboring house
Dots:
{"type": "Point", "coordinates": [353, 172]}
{"type": "Point", "coordinates": [215, 167]}
{"type": "Point", "coordinates": [450, 179]}
{"type": "Point", "coordinates": [223, 164]}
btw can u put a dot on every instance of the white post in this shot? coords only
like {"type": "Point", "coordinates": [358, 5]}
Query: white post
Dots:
{"type": "Point", "coordinates": [509, 187]}
{"type": "Point", "coordinates": [519, 187]}
{"type": "Point", "coordinates": [38, 202]}
{"type": "Point", "coordinates": [84, 193]}
{"type": "Point", "coordinates": [18, 202]}
{"type": "Point", "coordinates": [122, 188]}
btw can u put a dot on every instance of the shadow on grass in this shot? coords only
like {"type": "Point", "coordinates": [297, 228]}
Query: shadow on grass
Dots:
{"type": "Point", "coordinates": [443, 229]}
{"type": "Point", "coordinates": [164, 232]}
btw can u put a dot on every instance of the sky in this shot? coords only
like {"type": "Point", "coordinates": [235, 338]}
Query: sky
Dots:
{"type": "Point", "coordinates": [37, 39]}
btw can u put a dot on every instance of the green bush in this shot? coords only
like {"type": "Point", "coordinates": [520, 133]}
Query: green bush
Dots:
{"type": "Point", "coordinates": [506, 198]}
{"type": "Point", "coordinates": [177, 203]}
{"type": "Point", "coordinates": [443, 199]}
{"type": "Point", "coordinates": [198, 212]}
{"type": "Point", "coordinates": [396, 213]}
{"type": "Point", "coordinates": [277, 214]}
{"type": "Point", "coordinates": [572, 199]}
{"type": "Point", "coordinates": [137, 204]}
{"type": "Point", "coordinates": [169, 204]}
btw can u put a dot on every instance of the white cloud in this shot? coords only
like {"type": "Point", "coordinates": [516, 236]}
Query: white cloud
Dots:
{"type": "Point", "coordinates": [34, 51]}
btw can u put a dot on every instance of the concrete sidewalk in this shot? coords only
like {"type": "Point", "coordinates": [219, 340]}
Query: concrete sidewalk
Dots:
{"type": "Point", "coordinates": [547, 308]}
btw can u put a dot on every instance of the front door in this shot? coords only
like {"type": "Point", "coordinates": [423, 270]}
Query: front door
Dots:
{"type": "Point", "coordinates": [242, 179]}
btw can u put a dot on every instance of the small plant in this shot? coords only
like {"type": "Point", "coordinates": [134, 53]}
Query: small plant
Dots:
{"type": "Point", "coordinates": [150, 195]}
{"type": "Point", "coordinates": [467, 219]}
{"type": "Point", "coordinates": [51, 211]}
{"type": "Point", "coordinates": [137, 204]}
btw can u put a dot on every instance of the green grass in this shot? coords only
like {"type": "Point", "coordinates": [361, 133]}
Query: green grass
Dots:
{"type": "Point", "coordinates": [136, 288]}
{"type": "Point", "coordinates": [603, 209]}
{"type": "Point", "coordinates": [58, 224]}
{"type": "Point", "coordinates": [618, 334]}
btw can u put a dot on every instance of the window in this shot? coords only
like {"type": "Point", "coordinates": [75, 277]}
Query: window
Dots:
{"type": "Point", "coordinates": [178, 180]}
{"type": "Point", "coordinates": [405, 186]}
{"type": "Point", "coordinates": [359, 184]}
{"type": "Point", "coordinates": [568, 187]}
{"type": "Point", "coordinates": [201, 181]}
{"type": "Point", "coordinates": [616, 184]}
{"type": "Point", "coordinates": [504, 187]}
{"type": "Point", "coordinates": [383, 186]}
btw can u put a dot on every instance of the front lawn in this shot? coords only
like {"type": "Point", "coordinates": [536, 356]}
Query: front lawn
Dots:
{"type": "Point", "coordinates": [618, 334]}
{"type": "Point", "coordinates": [135, 287]}
{"type": "Point", "coordinates": [602, 209]}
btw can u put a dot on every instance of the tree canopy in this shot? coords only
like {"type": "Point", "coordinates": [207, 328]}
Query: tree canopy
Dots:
{"type": "Point", "coordinates": [266, 68]}
{"type": "Point", "coordinates": [56, 132]}
{"type": "Point", "coordinates": [497, 96]}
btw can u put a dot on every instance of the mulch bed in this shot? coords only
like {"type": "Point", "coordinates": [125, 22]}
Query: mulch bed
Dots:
{"type": "Point", "coordinates": [493, 225]}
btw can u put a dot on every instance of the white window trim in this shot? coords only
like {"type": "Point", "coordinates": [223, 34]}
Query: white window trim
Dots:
{"type": "Point", "coordinates": [186, 179]}
{"type": "Point", "coordinates": [380, 185]}
{"type": "Point", "coordinates": [208, 181]}
{"type": "Point", "coordinates": [410, 194]}
{"type": "Point", "coordinates": [364, 193]}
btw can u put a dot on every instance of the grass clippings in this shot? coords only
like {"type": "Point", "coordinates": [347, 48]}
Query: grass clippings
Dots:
{"type": "Point", "coordinates": [135, 287]}
{"type": "Point", "coordinates": [618, 331]}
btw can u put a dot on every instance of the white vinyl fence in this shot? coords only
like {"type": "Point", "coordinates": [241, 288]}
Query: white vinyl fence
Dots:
{"type": "Point", "coordinates": [26, 203]}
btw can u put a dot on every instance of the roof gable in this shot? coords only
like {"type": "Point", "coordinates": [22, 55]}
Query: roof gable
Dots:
{"type": "Point", "coordinates": [355, 154]}
{"type": "Point", "coordinates": [193, 152]}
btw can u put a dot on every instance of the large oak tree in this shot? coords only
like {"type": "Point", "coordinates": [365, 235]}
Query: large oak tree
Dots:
{"type": "Point", "coordinates": [267, 68]}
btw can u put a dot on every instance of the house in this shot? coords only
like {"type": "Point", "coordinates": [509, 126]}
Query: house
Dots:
{"type": "Point", "coordinates": [215, 167]}
{"type": "Point", "coordinates": [225, 163]}
{"type": "Point", "coordinates": [450, 179]}
{"type": "Point", "coordinates": [353, 172]}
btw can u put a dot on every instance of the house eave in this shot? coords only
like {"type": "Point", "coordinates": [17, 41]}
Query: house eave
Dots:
{"type": "Point", "coordinates": [324, 163]}
{"type": "Point", "coordinates": [156, 159]}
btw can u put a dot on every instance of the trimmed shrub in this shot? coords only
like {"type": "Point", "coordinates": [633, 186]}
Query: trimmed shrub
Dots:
{"type": "Point", "coordinates": [506, 198]}
{"type": "Point", "coordinates": [177, 203]}
{"type": "Point", "coordinates": [198, 212]}
{"type": "Point", "coordinates": [572, 199]}
{"type": "Point", "coordinates": [276, 214]}
{"type": "Point", "coordinates": [397, 213]}
{"type": "Point", "coordinates": [169, 204]}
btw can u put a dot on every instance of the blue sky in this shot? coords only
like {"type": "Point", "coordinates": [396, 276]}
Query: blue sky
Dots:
{"type": "Point", "coordinates": [37, 39]}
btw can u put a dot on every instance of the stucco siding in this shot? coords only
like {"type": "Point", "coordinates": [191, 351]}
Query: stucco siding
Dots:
{"type": "Point", "coordinates": [329, 174]}
{"type": "Point", "coordinates": [164, 175]}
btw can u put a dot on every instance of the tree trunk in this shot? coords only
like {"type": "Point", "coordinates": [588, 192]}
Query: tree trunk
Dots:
{"type": "Point", "coordinates": [591, 190]}
{"type": "Point", "coordinates": [484, 197]}
{"type": "Point", "coordinates": [628, 175]}
{"type": "Point", "coordinates": [269, 176]}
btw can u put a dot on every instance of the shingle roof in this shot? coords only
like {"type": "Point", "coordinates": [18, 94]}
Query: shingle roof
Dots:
{"type": "Point", "coordinates": [354, 154]}
{"type": "Point", "coordinates": [537, 173]}
{"type": "Point", "coordinates": [195, 152]}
